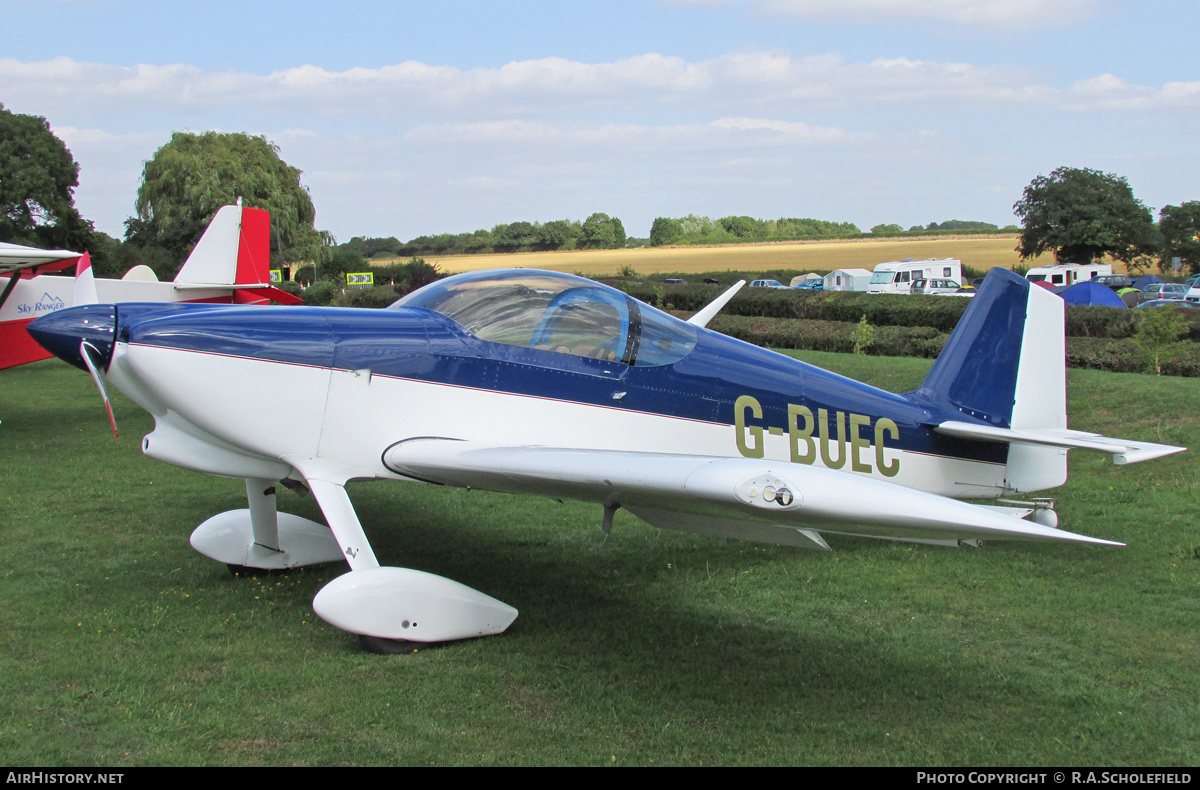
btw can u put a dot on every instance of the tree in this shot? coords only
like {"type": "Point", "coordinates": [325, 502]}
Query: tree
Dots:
{"type": "Point", "coordinates": [338, 262]}
{"type": "Point", "coordinates": [38, 176]}
{"type": "Point", "coordinates": [603, 232]}
{"type": "Point", "coordinates": [193, 175]}
{"type": "Point", "coordinates": [890, 229]}
{"type": "Point", "coordinates": [744, 227]}
{"type": "Point", "coordinates": [554, 234]}
{"type": "Point", "coordinates": [665, 231]}
{"type": "Point", "coordinates": [1081, 214]}
{"type": "Point", "coordinates": [1180, 229]}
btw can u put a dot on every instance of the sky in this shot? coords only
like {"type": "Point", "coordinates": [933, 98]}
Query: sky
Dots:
{"type": "Point", "coordinates": [414, 118]}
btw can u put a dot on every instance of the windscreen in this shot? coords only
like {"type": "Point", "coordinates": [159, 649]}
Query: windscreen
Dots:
{"type": "Point", "coordinates": [557, 312]}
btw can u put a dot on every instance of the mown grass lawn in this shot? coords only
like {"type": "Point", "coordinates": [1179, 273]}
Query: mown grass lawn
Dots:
{"type": "Point", "coordinates": [125, 647]}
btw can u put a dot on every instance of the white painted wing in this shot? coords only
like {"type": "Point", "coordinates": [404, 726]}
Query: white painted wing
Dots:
{"type": "Point", "coordinates": [716, 492]}
{"type": "Point", "coordinates": [14, 257]}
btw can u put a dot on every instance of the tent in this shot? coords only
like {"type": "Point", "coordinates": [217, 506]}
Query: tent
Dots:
{"type": "Point", "coordinates": [1149, 279]}
{"type": "Point", "coordinates": [802, 278]}
{"type": "Point", "coordinates": [847, 280]}
{"type": "Point", "coordinates": [1091, 293]}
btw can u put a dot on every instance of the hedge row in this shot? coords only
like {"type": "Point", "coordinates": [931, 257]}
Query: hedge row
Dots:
{"type": "Point", "coordinates": [837, 336]}
{"type": "Point", "coordinates": [939, 312]}
{"type": "Point", "coordinates": [1119, 355]}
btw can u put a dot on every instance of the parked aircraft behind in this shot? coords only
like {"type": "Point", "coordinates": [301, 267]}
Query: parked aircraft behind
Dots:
{"type": "Point", "coordinates": [230, 264]}
{"type": "Point", "coordinates": [545, 383]}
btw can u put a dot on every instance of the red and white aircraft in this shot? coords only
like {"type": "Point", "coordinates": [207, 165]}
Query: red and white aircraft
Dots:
{"type": "Point", "coordinates": [229, 265]}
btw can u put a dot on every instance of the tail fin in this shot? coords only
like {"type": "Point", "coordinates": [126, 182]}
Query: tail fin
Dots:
{"type": "Point", "coordinates": [1005, 362]}
{"type": "Point", "coordinates": [234, 250]}
{"type": "Point", "coordinates": [1005, 365]}
{"type": "Point", "coordinates": [1002, 377]}
{"type": "Point", "coordinates": [85, 282]}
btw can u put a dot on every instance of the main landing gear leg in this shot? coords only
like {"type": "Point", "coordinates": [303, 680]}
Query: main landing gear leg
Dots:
{"type": "Point", "coordinates": [396, 610]}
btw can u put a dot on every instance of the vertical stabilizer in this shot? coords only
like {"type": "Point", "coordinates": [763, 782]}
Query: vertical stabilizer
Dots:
{"type": "Point", "coordinates": [1005, 365]}
{"type": "Point", "coordinates": [214, 259]}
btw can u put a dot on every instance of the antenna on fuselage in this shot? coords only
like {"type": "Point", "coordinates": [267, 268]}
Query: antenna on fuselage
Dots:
{"type": "Point", "coordinates": [712, 308]}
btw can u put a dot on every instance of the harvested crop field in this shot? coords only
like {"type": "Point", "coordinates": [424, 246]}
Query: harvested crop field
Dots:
{"type": "Point", "coordinates": [974, 251]}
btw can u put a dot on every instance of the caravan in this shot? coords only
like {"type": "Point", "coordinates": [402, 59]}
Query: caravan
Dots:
{"type": "Point", "coordinates": [898, 276]}
{"type": "Point", "coordinates": [1063, 274]}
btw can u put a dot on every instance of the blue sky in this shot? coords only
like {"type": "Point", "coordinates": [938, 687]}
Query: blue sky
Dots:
{"type": "Point", "coordinates": [411, 118]}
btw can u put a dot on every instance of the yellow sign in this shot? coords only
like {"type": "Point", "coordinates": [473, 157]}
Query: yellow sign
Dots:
{"type": "Point", "coordinates": [360, 278]}
{"type": "Point", "coordinates": [276, 275]}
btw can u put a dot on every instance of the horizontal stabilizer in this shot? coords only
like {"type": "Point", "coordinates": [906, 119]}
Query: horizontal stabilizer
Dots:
{"type": "Point", "coordinates": [1123, 451]}
{"type": "Point", "coordinates": [714, 492]}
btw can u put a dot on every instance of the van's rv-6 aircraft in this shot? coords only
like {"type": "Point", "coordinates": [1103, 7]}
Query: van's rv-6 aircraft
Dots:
{"type": "Point", "coordinates": [545, 383]}
{"type": "Point", "coordinates": [230, 264]}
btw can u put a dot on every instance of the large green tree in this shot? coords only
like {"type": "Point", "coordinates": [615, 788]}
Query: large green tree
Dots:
{"type": "Point", "coordinates": [1081, 214]}
{"type": "Point", "coordinates": [1180, 230]}
{"type": "Point", "coordinates": [193, 175]}
{"type": "Point", "coordinates": [38, 176]}
{"type": "Point", "coordinates": [665, 230]}
{"type": "Point", "coordinates": [601, 231]}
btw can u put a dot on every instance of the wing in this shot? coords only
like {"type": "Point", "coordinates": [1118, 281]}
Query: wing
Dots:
{"type": "Point", "coordinates": [771, 501]}
{"type": "Point", "coordinates": [15, 258]}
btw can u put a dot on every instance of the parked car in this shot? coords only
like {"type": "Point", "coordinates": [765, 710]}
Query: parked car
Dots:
{"type": "Point", "coordinates": [810, 285]}
{"type": "Point", "coordinates": [1168, 303]}
{"type": "Point", "coordinates": [1116, 281]}
{"type": "Point", "coordinates": [1165, 291]}
{"type": "Point", "coordinates": [675, 281]}
{"type": "Point", "coordinates": [935, 286]}
{"type": "Point", "coordinates": [1193, 284]}
{"type": "Point", "coordinates": [767, 284]}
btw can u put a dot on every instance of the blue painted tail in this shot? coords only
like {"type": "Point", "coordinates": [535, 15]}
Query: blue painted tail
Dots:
{"type": "Point", "coordinates": [1005, 366]}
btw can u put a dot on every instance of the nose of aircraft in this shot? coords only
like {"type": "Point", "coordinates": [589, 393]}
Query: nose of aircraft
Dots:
{"type": "Point", "coordinates": [63, 331]}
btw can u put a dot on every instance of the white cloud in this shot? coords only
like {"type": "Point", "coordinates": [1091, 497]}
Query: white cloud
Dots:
{"type": "Point", "coordinates": [1002, 14]}
{"type": "Point", "coordinates": [750, 82]}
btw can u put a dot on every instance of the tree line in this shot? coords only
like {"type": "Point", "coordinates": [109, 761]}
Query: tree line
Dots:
{"type": "Point", "coordinates": [597, 232]}
{"type": "Point", "coordinates": [694, 229]}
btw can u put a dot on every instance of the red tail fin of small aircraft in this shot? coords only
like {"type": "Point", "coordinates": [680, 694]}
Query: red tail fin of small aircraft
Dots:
{"type": "Point", "coordinates": [212, 262]}
{"type": "Point", "coordinates": [254, 248]}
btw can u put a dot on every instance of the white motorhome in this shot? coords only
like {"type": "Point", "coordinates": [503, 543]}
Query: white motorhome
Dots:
{"type": "Point", "coordinates": [897, 276]}
{"type": "Point", "coordinates": [1067, 273]}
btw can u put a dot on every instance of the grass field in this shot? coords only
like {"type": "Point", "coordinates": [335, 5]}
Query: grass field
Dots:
{"type": "Point", "coordinates": [124, 647]}
{"type": "Point", "coordinates": [980, 253]}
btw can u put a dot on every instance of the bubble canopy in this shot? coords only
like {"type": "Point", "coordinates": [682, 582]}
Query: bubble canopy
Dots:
{"type": "Point", "coordinates": [557, 312]}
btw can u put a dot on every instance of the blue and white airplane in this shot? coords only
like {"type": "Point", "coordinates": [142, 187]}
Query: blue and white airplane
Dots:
{"type": "Point", "coordinates": [545, 383]}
